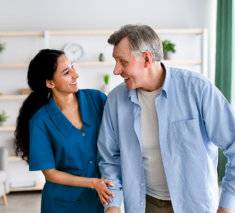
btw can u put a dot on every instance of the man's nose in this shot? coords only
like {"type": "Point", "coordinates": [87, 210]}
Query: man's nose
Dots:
{"type": "Point", "coordinates": [117, 70]}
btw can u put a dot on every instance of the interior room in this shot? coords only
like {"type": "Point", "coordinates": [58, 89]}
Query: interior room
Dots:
{"type": "Point", "coordinates": [81, 29]}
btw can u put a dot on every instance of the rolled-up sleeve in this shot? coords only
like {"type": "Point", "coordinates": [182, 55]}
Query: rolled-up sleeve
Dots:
{"type": "Point", "coordinates": [109, 151]}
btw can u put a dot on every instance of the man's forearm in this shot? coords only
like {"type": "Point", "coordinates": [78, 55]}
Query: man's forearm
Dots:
{"type": "Point", "coordinates": [113, 209]}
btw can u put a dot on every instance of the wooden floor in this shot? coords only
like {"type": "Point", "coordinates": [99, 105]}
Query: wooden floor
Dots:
{"type": "Point", "coordinates": [22, 202]}
{"type": "Point", "coordinates": [27, 202]}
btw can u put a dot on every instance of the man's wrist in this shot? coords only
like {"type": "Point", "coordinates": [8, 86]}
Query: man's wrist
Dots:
{"type": "Point", "coordinates": [112, 209]}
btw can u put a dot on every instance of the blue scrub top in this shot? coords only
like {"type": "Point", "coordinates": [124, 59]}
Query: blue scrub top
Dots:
{"type": "Point", "coordinates": [56, 143]}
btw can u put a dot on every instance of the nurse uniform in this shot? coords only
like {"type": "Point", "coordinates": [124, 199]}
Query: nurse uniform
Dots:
{"type": "Point", "coordinates": [56, 144]}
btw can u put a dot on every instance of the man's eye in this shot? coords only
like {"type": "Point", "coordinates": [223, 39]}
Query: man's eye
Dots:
{"type": "Point", "coordinates": [124, 63]}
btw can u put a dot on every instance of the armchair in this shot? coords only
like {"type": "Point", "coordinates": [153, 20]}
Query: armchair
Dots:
{"type": "Point", "coordinates": [4, 186]}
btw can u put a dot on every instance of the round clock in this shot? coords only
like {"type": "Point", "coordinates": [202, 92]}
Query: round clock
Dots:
{"type": "Point", "coordinates": [73, 51]}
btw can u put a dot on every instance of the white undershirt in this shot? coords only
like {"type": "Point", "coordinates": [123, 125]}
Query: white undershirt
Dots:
{"type": "Point", "coordinates": [156, 185]}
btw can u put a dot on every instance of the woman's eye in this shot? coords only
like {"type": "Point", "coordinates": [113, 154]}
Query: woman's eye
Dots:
{"type": "Point", "coordinates": [66, 73]}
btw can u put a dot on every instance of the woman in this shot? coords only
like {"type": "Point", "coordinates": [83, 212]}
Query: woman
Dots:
{"type": "Point", "coordinates": [56, 132]}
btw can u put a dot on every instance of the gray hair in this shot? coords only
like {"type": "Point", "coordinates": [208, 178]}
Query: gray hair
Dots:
{"type": "Point", "coordinates": [142, 38]}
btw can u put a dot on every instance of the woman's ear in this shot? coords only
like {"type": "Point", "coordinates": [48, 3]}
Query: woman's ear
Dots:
{"type": "Point", "coordinates": [50, 84]}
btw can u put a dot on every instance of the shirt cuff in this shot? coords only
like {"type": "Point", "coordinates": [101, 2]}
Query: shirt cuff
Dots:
{"type": "Point", "coordinates": [227, 200]}
{"type": "Point", "coordinates": [116, 200]}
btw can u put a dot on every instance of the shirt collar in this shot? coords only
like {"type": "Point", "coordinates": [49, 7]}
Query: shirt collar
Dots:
{"type": "Point", "coordinates": [133, 93]}
{"type": "Point", "coordinates": [59, 119]}
{"type": "Point", "coordinates": [165, 87]}
{"type": "Point", "coordinates": [85, 107]}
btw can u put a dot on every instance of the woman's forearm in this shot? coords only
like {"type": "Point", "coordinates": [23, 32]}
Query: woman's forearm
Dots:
{"type": "Point", "coordinates": [100, 185]}
{"type": "Point", "coordinates": [64, 178]}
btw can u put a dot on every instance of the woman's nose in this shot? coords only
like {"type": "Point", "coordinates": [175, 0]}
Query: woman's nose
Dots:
{"type": "Point", "coordinates": [75, 73]}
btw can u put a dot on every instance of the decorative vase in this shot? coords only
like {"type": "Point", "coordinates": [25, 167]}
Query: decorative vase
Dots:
{"type": "Point", "coordinates": [101, 57]}
{"type": "Point", "coordinates": [106, 89]}
{"type": "Point", "coordinates": [167, 55]}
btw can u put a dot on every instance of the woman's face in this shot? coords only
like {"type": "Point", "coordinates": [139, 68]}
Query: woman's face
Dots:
{"type": "Point", "coordinates": [65, 78]}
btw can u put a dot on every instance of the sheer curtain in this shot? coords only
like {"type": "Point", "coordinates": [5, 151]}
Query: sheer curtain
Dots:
{"type": "Point", "coordinates": [223, 75]}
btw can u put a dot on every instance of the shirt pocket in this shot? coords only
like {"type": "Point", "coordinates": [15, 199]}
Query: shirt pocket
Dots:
{"type": "Point", "coordinates": [186, 136]}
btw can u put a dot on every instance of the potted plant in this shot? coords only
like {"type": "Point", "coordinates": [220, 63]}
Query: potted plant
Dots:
{"type": "Point", "coordinates": [106, 84]}
{"type": "Point", "coordinates": [3, 117]}
{"type": "Point", "coordinates": [168, 49]}
{"type": "Point", "coordinates": [101, 57]}
{"type": "Point", "coordinates": [2, 47]}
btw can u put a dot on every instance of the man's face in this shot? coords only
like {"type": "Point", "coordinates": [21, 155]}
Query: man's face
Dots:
{"type": "Point", "coordinates": [127, 66]}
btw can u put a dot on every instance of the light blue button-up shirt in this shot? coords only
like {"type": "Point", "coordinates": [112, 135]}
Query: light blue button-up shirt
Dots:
{"type": "Point", "coordinates": [194, 119]}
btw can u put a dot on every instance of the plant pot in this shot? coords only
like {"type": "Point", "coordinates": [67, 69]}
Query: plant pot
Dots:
{"type": "Point", "coordinates": [1, 123]}
{"type": "Point", "coordinates": [106, 89]}
{"type": "Point", "coordinates": [101, 57]}
{"type": "Point", "coordinates": [167, 55]}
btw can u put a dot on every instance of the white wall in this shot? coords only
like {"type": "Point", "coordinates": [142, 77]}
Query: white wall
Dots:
{"type": "Point", "coordinates": [40, 15]}
{"type": "Point", "coordinates": [109, 14]}
{"type": "Point", "coordinates": [103, 14]}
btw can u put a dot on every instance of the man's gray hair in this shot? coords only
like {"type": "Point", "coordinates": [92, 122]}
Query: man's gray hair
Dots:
{"type": "Point", "coordinates": [142, 38]}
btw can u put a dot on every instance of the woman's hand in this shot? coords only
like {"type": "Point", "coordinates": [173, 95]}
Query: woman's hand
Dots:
{"type": "Point", "coordinates": [223, 210]}
{"type": "Point", "coordinates": [101, 187]}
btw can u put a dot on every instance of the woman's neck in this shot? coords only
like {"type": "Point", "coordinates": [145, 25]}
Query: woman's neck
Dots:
{"type": "Point", "coordinates": [65, 101]}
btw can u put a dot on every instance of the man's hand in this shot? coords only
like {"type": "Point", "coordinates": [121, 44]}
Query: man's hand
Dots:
{"type": "Point", "coordinates": [223, 210]}
{"type": "Point", "coordinates": [113, 209]}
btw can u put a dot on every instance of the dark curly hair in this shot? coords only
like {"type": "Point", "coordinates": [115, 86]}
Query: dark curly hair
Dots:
{"type": "Point", "coordinates": [41, 68]}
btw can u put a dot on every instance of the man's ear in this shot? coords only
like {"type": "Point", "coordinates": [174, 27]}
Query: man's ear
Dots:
{"type": "Point", "coordinates": [148, 58]}
{"type": "Point", "coordinates": [50, 84]}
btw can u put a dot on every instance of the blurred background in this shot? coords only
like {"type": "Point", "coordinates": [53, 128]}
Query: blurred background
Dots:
{"type": "Point", "coordinates": [199, 31]}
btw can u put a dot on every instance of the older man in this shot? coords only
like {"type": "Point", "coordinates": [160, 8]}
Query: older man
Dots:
{"type": "Point", "coordinates": [160, 132]}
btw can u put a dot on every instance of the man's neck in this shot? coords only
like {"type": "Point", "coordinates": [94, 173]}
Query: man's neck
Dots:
{"type": "Point", "coordinates": [154, 78]}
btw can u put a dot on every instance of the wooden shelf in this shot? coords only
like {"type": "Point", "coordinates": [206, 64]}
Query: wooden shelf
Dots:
{"type": "Point", "coordinates": [94, 63]}
{"type": "Point", "coordinates": [38, 186]}
{"type": "Point", "coordinates": [185, 62]}
{"type": "Point", "coordinates": [14, 158]}
{"type": "Point", "coordinates": [97, 63]}
{"type": "Point", "coordinates": [7, 66]}
{"type": "Point", "coordinates": [80, 64]}
{"type": "Point", "coordinates": [90, 32]}
{"type": "Point", "coordinates": [13, 97]}
{"type": "Point", "coordinates": [7, 128]}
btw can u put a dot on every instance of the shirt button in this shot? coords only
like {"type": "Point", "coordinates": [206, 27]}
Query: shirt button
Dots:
{"type": "Point", "coordinates": [90, 162]}
{"type": "Point", "coordinates": [141, 203]}
{"type": "Point", "coordinates": [142, 184]}
{"type": "Point", "coordinates": [83, 134]}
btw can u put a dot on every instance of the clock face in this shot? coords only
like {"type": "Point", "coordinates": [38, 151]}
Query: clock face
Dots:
{"type": "Point", "coordinates": [73, 51]}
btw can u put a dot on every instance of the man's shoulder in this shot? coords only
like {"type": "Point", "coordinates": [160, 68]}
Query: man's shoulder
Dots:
{"type": "Point", "coordinates": [185, 75]}
{"type": "Point", "coordinates": [119, 90]}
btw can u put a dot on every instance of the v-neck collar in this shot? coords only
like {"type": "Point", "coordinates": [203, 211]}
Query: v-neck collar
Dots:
{"type": "Point", "coordinates": [61, 121]}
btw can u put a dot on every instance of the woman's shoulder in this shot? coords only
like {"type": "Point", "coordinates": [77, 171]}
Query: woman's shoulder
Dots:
{"type": "Point", "coordinates": [40, 115]}
{"type": "Point", "coordinates": [94, 94]}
